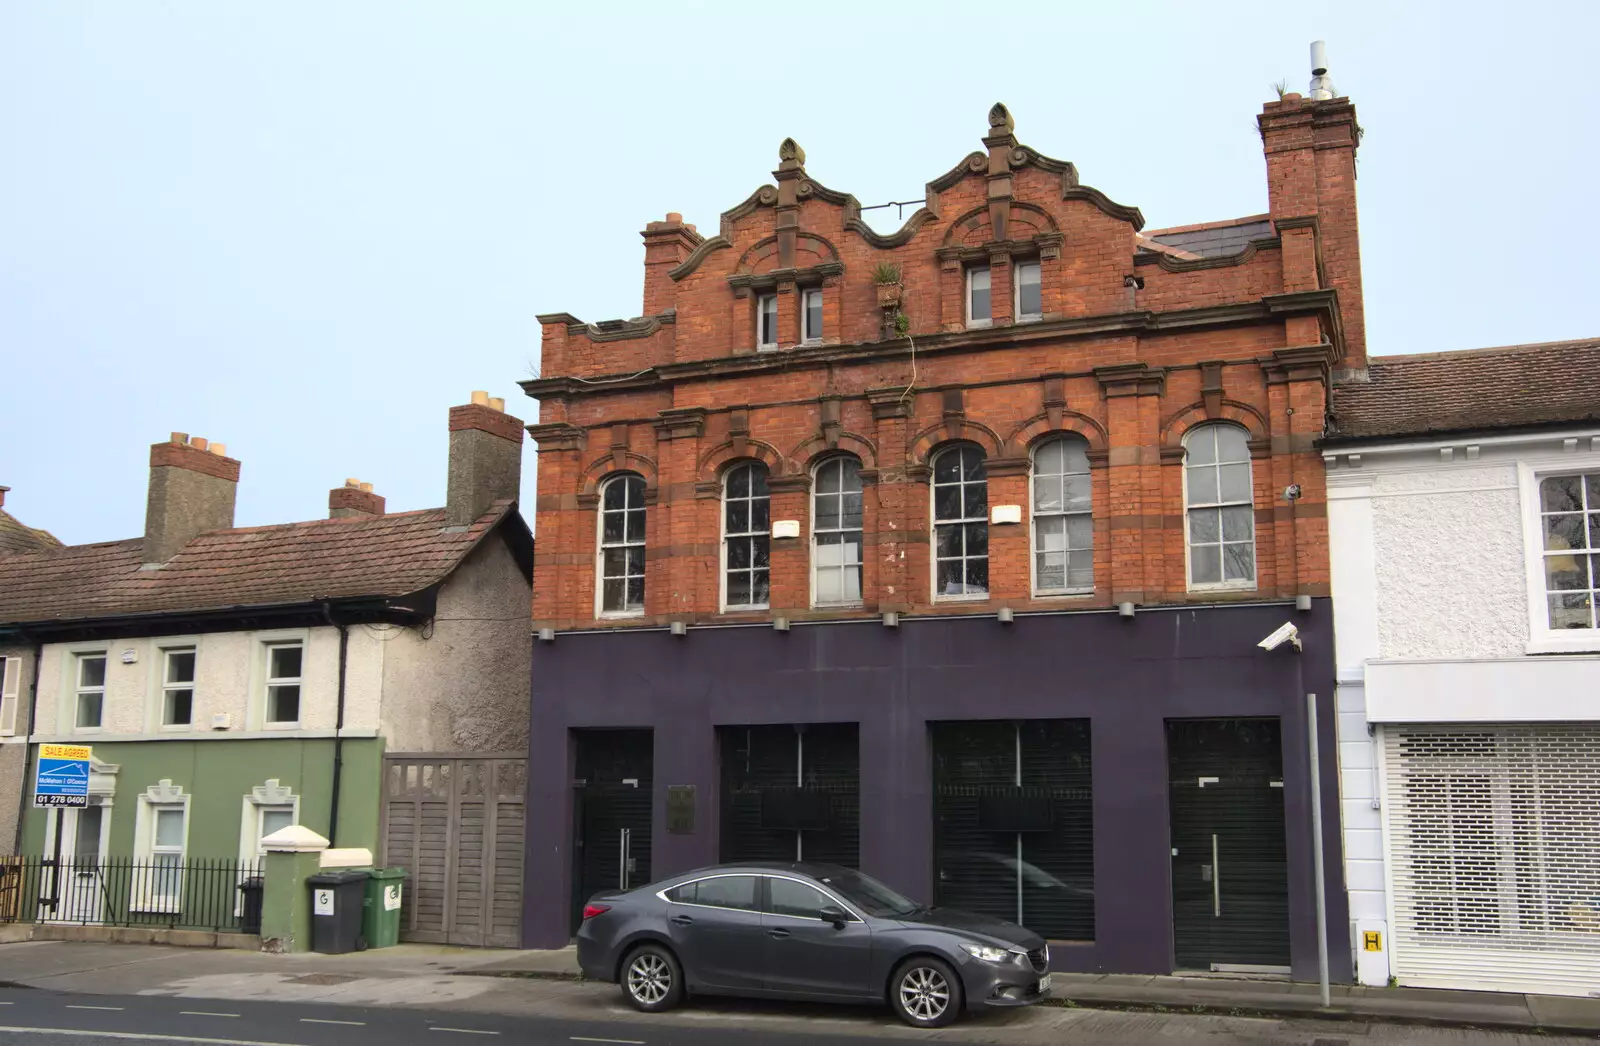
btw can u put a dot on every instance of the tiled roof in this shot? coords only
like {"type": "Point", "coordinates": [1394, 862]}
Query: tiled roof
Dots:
{"type": "Point", "coordinates": [296, 563]}
{"type": "Point", "coordinates": [1213, 239]}
{"type": "Point", "coordinates": [1511, 387]}
{"type": "Point", "coordinates": [15, 537]}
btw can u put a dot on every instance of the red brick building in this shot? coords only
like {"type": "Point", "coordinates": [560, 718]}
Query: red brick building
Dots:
{"type": "Point", "coordinates": [987, 431]}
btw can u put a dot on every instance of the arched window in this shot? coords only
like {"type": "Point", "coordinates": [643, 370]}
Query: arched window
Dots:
{"type": "Point", "coordinates": [836, 532]}
{"type": "Point", "coordinates": [960, 523]}
{"type": "Point", "coordinates": [622, 545]}
{"type": "Point", "coordinates": [746, 538]}
{"type": "Point", "coordinates": [1063, 529]}
{"type": "Point", "coordinates": [1220, 498]}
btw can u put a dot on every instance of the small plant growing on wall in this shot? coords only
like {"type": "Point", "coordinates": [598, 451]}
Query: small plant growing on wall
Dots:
{"type": "Point", "coordinates": [902, 324]}
{"type": "Point", "coordinates": [887, 277]}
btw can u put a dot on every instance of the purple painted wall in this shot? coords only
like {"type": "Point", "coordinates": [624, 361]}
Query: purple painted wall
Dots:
{"type": "Point", "coordinates": [1126, 677]}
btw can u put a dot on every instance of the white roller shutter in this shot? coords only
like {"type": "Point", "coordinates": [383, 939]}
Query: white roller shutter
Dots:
{"type": "Point", "coordinates": [1494, 853]}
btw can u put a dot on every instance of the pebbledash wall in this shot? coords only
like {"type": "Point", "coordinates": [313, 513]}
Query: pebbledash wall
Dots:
{"type": "Point", "coordinates": [1139, 341]}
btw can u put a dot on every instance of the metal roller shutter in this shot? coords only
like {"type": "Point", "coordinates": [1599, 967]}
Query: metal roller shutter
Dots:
{"type": "Point", "coordinates": [1494, 856]}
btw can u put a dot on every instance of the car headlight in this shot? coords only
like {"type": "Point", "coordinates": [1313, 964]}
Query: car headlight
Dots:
{"type": "Point", "coordinates": [988, 953]}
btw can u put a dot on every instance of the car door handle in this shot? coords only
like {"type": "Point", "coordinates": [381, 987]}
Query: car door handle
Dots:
{"type": "Point", "coordinates": [680, 920]}
{"type": "Point", "coordinates": [778, 935]}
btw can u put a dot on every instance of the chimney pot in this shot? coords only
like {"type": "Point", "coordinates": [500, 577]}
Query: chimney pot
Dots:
{"type": "Point", "coordinates": [219, 449]}
{"type": "Point", "coordinates": [480, 397]}
{"type": "Point", "coordinates": [3, 496]}
{"type": "Point", "coordinates": [197, 442]}
{"type": "Point", "coordinates": [354, 500]}
{"type": "Point", "coordinates": [674, 217]}
{"type": "Point", "coordinates": [352, 482]}
{"type": "Point", "coordinates": [497, 403]}
{"type": "Point", "coordinates": [180, 437]}
{"type": "Point", "coordinates": [366, 488]}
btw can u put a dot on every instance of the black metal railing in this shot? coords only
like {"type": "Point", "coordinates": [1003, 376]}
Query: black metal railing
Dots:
{"type": "Point", "coordinates": [220, 895]}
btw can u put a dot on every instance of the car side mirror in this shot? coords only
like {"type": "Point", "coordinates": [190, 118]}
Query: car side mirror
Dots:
{"type": "Point", "coordinates": [832, 914]}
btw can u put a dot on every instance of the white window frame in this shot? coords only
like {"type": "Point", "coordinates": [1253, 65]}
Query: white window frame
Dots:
{"type": "Point", "coordinates": [1223, 585]}
{"type": "Point", "coordinates": [978, 321]}
{"type": "Point", "coordinates": [860, 532]}
{"type": "Point", "coordinates": [270, 681]}
{"type": "Point", "coordinates": [270, 795]}
{"type": "Point", "coordinates": [602, 546]}
{"type": "Point", "coordinates": [10, 694]}
{"type": "Point", "coordinates": [1035, 516]}
{"type": "Point", "coordinates": [1017, 315]}
{"type": "Point", "coordinates": [962, 521]}
{"type": "Point", "coordinates": [166, 687]}
{"type": "Point", "coordinates": [1542, 639]}
{"type": "Point", "coordinates": [722, 512]}
{"type": "Point", "coordinates": [808, 336]}
{"type": "Point", "coordinates": [79, 690]}
{"type": "Point", "coordinates": [762, 301]}
{"type": "Point", "coordinates": [161, 796]}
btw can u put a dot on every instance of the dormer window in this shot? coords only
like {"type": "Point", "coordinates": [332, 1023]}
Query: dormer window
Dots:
{"type": "Point", "coordinates": [811, 316]}
{"type": "Point", "coordinates": [1029, 304]}
{"type": "Point", "coordinates": [978, 314]}
{"type": "Point", "coordinates": [767, 321]}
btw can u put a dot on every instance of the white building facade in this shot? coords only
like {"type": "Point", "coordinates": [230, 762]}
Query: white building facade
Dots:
{"type": "Point", "coordinates": [1464, 572]}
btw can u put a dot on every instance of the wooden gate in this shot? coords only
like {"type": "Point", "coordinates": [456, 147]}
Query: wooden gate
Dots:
{"type": "Point", "coordinates": [456, 824]}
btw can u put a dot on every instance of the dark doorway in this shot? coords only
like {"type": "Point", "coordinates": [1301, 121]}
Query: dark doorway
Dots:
{"type": "Point", "coordinates": [611, 805]}
{"type": "Point", "coordinates": [791, 792]}
{"type": "Point", "coordinates": [1013, 823]}
{"type": "Point", "coordinates": [1230, 889]}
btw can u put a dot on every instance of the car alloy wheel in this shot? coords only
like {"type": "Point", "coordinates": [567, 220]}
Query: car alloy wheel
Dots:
{"type": "Point", "coordinates": [924, 994]}
{"type": "Point", "coordinates": [649, 978]}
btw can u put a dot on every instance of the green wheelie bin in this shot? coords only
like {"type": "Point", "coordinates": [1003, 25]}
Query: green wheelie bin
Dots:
{"type": "Point", "coordinates": [380, 922]}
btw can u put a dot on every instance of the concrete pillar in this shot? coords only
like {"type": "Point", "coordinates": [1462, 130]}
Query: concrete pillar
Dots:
{"type": "Point", "coordinates": [293, 853]}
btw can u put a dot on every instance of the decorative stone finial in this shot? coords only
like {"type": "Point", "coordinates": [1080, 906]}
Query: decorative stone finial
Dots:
{"type": "Point", "coordinates": [790, 154]}
{"type": "Point", "coordinates": [1000, 119]}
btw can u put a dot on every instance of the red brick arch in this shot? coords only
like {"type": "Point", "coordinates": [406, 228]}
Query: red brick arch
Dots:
{"type": "Point", "coordinates": [1178, 424]}
{"type": "Point", "coordinates": [813, 449]}
{"type": "Point", "coordinates": [956, 430]}
{"type": "Point", "coordinates": [717, 460]}
{"type": "Point", "coordinates": [603, 468]}
{"type": "Point", "coordinates": [1038, 428]}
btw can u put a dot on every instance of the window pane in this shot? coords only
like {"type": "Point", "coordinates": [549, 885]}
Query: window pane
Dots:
{"type": "Point", "coordinates": [827, 512]}
{"type": "Point", "coordinates": [179, 709]}
{"type": "Point", "coordinates": [1232, 443]}
{"type": "Point", "coordinates": [636, 561]}
{"type": "Point", "coordinates": [852, 511]}
{"type": "Point", "coordinates": [1205, 564]}
{"type": "Point", "coordinates": [977, 576]}
{"type": "Point", "coordinates": [86, 843]}
{"type": "Point", "coordinates": [1235, 482]}
{"type": "Point", "coordinates": [1202, 483]}
{"type": "Point", "coordinates": [636, 592]}
{"type": "Point", "coordinates": [738, 517]}
{"type": "Point", "coordinates": [1028, 291]}
{"type": "Point", "coordinates": [636, 525]}
{"type": "Point", "coordinates": [1074, 454]}
{"type": "Point", "coordinates": [92, 671]}
{"type": "Point", "coordinates": [795, 899]}
{"type": "Point", "coordinates": [830, 550]}
{"type": "Point", "coordinates": [1047, 494]}
{"type": "Point", "coordinates": [1561, 494]}
{"type": "Point", "coordinates": [978, 294]}
{"type": "Point", "coordinates": [975, 497]}
{"type": "Point", "coordinates": [760, 549]}
{"type": "Point", "coordinates": [180, 666]}
{"type": "Point", "coordinates": [275, 819]}
{"type": "Point", "coordinates": [1201, 446]}
{"type": "Point", "coordinates": [759, 588]}
{"type": "Point", "coordinates": [1563, 531]}
{"type": "Point", "coordinates": [769, 321]}
{"type": "Point", "coordinates": [739, 588]}
{"type": "Point", "coordinates": [971, 463]}
{"type": "Point", "coordinates": [977, 539]}
{"type": "Point", "coordinates": [1080, 570]}
{"type": "Point", "coordinates": [89, 709]}
{"type": "Point", "coordinates": [1204, 525]}
{"type": "Point", "coordinates": [1592, 481]}
{"type": "Point", "coordinates": [1080, 532]}
{"type": "Point", "coordinates": [1563, 573]}
{"type": "Point", "coordinates": [814, 314]}
{"type": "Point", "coordinates": [950, 578]}
{"type": "Point", "coordinates": [1594, 530]}
{"type": "Point", "coordinates": [739, 482]}
{"type": "Point", "coordinates": [1076, 489]}
{"type": "Point", "coordinates": [1047, 458]}
{"type": "Point", "coordinates": [283, 704]}
{"type": "Point", "coordinates": [1052, 570]}
{"type": "Point", "coordinates": [1239, 562]}
{"type": "Point", "coordinates": [947, 502]}
{"type": "Point", "coordinates": [616, 494]}
{"type": "Point", "coordinates": [285, 662]}
{"type": "Point", "coordinates": [760, 516]}
{"type": "Point", "coordinates": [852, 583]}
{"type": "Point", "coordinates": [1571, 611]}
{"type": "Point", "coordinates": [829, 586]}
{"type": "Point", "coordinates": [613, 562]}
{"type": "Point", "coordinates": [828, 477]}
{"type": "Point", "coordinates": [611, 594]}
{"type": "Point", "coordinates": [1050, 534]}
{"type": "Point", "coordinates": [169, 829]}
{"type": "Point", "coordinates": [611, 526]}
{"type": "Point", "coordinates": [758, 481]}
{"type": "Point", "coordinates": [738, 553]}
{"type": "Point", "coordinates": [947, 467]}
{"type": "Point", "coordinates": [947, 540]}
{"type": "Point", "coordinates": [1236, 524]}
{"type": "Point", "coordinates": [728, 891]}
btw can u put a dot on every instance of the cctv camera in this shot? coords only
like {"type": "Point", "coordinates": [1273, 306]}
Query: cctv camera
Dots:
{"type": "Point", "coordinates": [1292, 492]}
{"type": "Point", "coordinates": [1287, 633]}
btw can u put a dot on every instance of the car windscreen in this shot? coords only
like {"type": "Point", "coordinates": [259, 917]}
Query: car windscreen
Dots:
{"type": "Point", "coordinates": [869, 894]}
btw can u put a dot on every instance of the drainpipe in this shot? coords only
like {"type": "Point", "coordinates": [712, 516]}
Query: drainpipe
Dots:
{"type": "Point", "coordinates": [338, 726]}
{"type": "Point", "coordinates": [27, 746]}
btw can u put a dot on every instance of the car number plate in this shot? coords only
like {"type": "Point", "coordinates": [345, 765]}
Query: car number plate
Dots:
{"type": "Point", "coordinates": [1044, 984]}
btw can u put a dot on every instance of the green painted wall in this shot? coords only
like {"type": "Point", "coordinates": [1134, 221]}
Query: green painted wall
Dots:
{"type": "Point", "coordinates": [219, 774]}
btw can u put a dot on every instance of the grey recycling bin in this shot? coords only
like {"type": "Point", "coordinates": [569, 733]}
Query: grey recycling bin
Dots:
{"type": "Point", "coordinates": [336, 910]}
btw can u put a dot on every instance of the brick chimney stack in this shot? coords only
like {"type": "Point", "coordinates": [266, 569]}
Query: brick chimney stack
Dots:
{"type": "Point", "coordinates": [666, 245]}
{"type": "Point", "coordinates": [354, 500]}
{"type": "Point", "coordinates": [485, 458]}
{"type": "Point", "coordinates": [3, 496]}
{"type": "Point", "coordinates": [1310, 147]}
{"type": "Point", "coordinates": [193, 484]}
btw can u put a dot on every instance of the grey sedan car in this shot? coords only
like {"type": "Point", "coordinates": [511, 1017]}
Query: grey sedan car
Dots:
{"type": "Point", "coordinates": [806, 931]}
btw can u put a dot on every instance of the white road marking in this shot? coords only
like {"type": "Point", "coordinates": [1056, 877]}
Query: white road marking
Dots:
{"type": "Point", "coordinates": [204, 1013]}
{"type": "Point", "coordinates": [629, 1042]}
{"type": "Point", "coordinates": [142, 1036]}
{"type": "Point", "coordinates": [70, 1006]}
{"type": "Point", "coordinates": [316, 1020]}
{"type": "Point", "coordinates": [464, 1031]}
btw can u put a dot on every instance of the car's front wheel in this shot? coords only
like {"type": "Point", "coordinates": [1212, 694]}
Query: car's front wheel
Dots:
{"type": "Point", "coordinates": [652, 979]}
{"type": "Point", "coordinates": [925, 992]}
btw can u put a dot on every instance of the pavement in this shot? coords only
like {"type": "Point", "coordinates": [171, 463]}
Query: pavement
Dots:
{"type": "Point", "coordinates": [141, 990]}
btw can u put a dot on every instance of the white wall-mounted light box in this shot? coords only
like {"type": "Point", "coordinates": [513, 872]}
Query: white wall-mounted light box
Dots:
{"type": "Point", "coordinates": [786, 528]}
{"type": "Point", "coordinates": [1005, 514]}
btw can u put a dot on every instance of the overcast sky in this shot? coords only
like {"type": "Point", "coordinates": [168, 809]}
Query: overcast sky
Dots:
{"type": "Point", "coordinates": [306, 229]}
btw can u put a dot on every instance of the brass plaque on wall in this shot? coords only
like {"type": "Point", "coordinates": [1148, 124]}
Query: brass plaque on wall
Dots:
{"type": "Point", "coordinates": [680, 809]}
